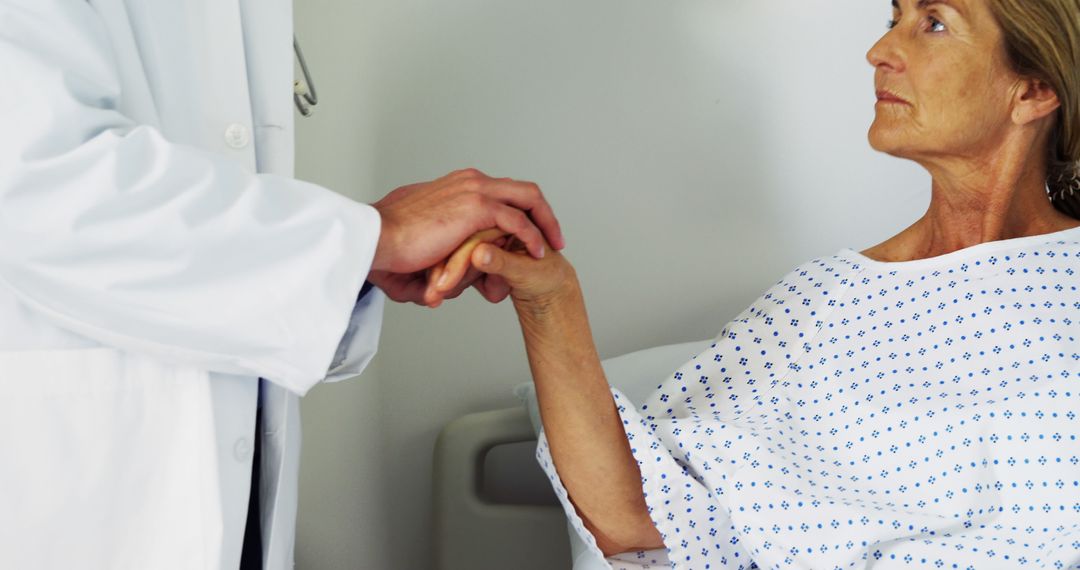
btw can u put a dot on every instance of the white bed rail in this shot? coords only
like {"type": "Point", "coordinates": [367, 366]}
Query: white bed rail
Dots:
{"type": "Point", "coordinates": [473, 533]}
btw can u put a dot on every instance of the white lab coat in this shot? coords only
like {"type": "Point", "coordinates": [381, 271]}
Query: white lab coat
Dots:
{"type": "Point", "coordinates": [156, 259]}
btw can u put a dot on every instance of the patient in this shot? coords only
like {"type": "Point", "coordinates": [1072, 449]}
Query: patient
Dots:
{"type": "Point", "coordinates": [912, 405]}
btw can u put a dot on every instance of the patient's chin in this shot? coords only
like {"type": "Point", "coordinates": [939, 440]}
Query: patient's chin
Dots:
{"type": "Point", "coordinates": [888, 141]}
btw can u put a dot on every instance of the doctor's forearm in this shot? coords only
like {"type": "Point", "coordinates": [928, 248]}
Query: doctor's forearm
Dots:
{"type": "Point", "coordinates": [582, 425]}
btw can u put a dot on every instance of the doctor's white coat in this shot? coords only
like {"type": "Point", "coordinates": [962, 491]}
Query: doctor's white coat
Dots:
{"type": "Point", "coordinates": [156, 259]}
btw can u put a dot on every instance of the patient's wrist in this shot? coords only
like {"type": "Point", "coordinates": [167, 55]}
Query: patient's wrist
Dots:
{"type": "Point", "coordinates": [564, 302]}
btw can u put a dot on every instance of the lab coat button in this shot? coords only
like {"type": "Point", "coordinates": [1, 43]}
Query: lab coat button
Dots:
{"type": "Point", "coordinates": [236, 135]}
{"type": "Point", "coordinates": [242, 449]}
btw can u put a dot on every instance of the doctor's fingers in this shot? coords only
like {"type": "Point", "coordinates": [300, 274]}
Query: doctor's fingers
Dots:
{"type": "Point", "coordinates": [518, 224]}
{"type": "Point", "coordinates": [527, 197]}
{"type": "Point", "coordinates": [403, 287]}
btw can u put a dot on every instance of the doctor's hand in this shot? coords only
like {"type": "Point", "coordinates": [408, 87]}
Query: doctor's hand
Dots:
{"type": "Point", "coordinates": [422, 224]}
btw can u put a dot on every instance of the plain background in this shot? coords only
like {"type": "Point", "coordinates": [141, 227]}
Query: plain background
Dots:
{"type": "Point", "coordinates": [695, 151]}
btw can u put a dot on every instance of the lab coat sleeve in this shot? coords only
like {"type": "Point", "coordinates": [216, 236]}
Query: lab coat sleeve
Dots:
{"type": "Point", "coordinates": [361, 339]}
{"type": "Point", "coordinates": [113, 232]}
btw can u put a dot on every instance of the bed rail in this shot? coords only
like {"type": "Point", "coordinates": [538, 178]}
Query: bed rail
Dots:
{"type": "Point", "coordinates": [472, 532]}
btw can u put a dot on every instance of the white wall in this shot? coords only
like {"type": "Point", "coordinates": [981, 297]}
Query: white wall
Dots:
{"type": "Point", "coordinates": [695, 151]}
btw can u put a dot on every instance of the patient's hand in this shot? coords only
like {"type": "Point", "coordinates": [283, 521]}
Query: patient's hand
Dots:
{"type": "Point", "coordinates": [506, 266]}
{"type": "Point", "coordinates": [532, 282]}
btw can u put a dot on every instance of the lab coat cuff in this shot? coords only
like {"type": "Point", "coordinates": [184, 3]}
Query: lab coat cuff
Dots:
{"type": "Point", "coordinates": [347, 317]}
{"type": "Point", "coordinates": [361, 339]}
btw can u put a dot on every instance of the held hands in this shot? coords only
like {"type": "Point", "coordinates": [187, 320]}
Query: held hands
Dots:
{"type": "Point", "coordinates": [532, 283]}
{"type": "Point", "coordinates": [422, 224]}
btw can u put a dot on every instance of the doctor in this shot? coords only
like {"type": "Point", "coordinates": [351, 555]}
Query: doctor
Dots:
{"type": "Point", "coordinates": [157, 259]}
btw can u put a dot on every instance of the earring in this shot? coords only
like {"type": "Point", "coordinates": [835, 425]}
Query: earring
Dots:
{"type": "Point", "coordinates": [1070, 179]}
{"type": "Point", "coordinates": [1064, 189]}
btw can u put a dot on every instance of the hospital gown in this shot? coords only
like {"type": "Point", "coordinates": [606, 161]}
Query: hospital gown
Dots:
{"type": "Point", "coordinates": [861, 414]}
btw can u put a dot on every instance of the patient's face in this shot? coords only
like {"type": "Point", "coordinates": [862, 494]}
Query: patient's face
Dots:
{"type": "Point", "coordinates": [946, 61]}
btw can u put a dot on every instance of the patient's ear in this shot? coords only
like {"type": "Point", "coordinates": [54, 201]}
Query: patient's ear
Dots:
{"type": "Point", "coordinates": [1033, 100]}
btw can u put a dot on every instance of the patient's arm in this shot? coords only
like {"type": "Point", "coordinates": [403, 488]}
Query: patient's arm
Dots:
{"type": "Point", "coordinates": [583, 427]}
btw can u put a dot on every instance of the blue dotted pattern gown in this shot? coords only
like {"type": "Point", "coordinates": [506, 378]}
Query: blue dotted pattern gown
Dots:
{"type": "Point", "coordinates": [863, 414]}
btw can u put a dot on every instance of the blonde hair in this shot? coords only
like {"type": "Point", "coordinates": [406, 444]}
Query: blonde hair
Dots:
{"type": "Point", "coordinates": [1042, 39]}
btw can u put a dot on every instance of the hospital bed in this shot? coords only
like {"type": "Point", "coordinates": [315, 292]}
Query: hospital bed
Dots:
{"type": "Point", "coordinates": [493, 506]}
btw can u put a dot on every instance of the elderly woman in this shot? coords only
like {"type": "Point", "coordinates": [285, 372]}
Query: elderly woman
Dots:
{"type": "Point", "coordinates": [912, 405]}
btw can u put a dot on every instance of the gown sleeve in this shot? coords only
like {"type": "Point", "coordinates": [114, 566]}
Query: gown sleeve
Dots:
{"type": "Point", "coordinates": [691, 517]}
{"type": "Point", "coordinates": [113, 232]}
